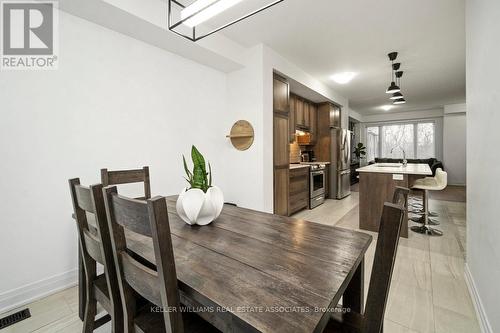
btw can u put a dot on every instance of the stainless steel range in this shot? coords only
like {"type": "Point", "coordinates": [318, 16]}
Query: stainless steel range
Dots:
{"type": "Point", "coordinates": [317, 184]}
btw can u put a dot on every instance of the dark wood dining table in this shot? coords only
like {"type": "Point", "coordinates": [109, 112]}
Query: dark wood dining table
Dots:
{"type": "Point", "coordinates": [257, 272]}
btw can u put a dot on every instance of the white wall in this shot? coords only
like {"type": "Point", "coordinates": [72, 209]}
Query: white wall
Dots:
{"type": "Point", "coordinates": [454, 143]}
{"type": "Point", "coordinates": [483, 138]}
{"type": "Point", "coordinates": [114, 102]}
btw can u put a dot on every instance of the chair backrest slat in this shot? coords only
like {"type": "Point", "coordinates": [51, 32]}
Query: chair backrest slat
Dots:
{"type": "Point", "coordinates": [119, 177]}
{"type": "Point", "coordinates": [131, 214]}
{"type": "Point", "coordinates": [141, 278]}
{"type": "Point", "coordinates": [83, 197]}
{"type": "Point", "coordinates": [160, 287]}
{"type": "Point", "coordinates": [93, 246]}
{"type": "Point", "coordinates": [383, 265]}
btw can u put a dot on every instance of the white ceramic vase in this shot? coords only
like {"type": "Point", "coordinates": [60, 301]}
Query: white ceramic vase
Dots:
{"type": "Point", "coordinates": [197, 207]}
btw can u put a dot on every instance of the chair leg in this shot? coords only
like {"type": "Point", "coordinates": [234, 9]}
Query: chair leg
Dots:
{"type": "Point", "coordinates": [426, 228]}
{"type": "Point", "coordinates": [90, 313]}
{"type": "Point", "coordinates": [117, 321]}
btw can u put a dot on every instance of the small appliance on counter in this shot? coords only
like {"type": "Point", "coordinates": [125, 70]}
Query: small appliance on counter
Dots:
{"type": "Point", "coordinates": [307, 156]}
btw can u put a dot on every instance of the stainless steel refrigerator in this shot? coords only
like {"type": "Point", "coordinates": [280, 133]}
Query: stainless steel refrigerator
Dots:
{"type": "Point", "coordinates": [340, 169]}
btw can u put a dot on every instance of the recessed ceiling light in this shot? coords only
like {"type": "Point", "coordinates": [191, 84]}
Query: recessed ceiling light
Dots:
{"type": "Point", "coordinates": [386, 107]}
{"type": "Point", "coordinates": [343, 78]}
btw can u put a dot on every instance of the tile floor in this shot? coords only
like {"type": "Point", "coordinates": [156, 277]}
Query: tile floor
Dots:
{"type": "Point", "coordinates": [428, 292]}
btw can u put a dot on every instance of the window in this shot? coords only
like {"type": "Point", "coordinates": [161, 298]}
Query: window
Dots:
{"type": "Point", "coordinates": [426, 147]}
{"type": "Point", "coordinates": [416, 139]}
{"type": "Point", "coordinates": [371, 143]}
{"type": "Point", "coordinates": [396, 139]}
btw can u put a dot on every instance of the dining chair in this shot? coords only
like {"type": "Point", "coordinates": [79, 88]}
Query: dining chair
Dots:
{"type": "Point", "coordinates": [138, 282]}
{"type": "Point", "coordinates": [400, 196]}
{"type": "Point", "coordinates": [385, 255]}
{"type": "Point", "coordinates": [95, 247]}
{"type": "Point", "coordinates": [118, 177]}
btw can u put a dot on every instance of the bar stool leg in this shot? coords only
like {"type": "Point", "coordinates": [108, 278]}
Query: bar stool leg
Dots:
{"type": "Point", "coordinates": [426, 228]}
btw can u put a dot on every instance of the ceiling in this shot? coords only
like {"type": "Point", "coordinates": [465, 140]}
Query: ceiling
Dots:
{"type": "Point", "coordinates": [324, 37]}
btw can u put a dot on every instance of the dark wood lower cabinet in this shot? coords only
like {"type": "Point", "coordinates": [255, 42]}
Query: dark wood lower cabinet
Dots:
{"type": "Point", "coordinates": [281, 191]}
{"type": "Point", "coordinates": [299, 190]}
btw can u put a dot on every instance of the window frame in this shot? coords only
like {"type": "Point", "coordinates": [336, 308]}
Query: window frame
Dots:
{"type": "Point", "coordinates": [415, 124]}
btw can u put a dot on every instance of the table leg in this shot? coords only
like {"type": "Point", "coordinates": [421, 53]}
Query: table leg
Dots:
{"type": "Point", "coordinates": [81, 286]}
{"type": "Point", "coordinates": [353, 297]}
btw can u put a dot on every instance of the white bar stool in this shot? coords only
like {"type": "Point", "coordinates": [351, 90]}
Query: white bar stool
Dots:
{"type": "Point", "coordinates": [437, 183]}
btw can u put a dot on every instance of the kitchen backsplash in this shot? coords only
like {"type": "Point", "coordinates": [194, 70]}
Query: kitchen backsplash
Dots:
{"type": "Point", "coordinates": [294, 152]}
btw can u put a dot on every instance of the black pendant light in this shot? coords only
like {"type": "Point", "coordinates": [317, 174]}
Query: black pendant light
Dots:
{"type": "Point", "coordinates": [393, 88]}
{"type": "Point", "coordinates": [398, 97]}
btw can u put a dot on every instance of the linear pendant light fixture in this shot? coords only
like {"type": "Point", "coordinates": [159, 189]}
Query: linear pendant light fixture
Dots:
{"type": "Point", "coordinates": [395, 87]}
{"type": "Point", "coordinates": [200, 11]}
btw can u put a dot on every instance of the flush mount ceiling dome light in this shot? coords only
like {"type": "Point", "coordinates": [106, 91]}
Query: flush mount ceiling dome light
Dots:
{"type": "Point", "coordinates": [386, 107]}
{"type": "Point", "coordinates": [197, 12]}
{"type": "Point", "coordinates": [343, 78]}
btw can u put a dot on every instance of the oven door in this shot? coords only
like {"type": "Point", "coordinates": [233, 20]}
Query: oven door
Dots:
{"type": "Point", "coordinates": [317, 183]}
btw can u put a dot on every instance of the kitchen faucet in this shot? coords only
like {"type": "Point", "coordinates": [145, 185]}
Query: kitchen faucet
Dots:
{"type": "Point", "coordinates": [405, 162]}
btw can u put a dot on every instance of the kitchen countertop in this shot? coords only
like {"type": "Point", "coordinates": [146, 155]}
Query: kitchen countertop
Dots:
{"type": "Point", "coordinates": [298, 166]}
{"type": "Point", "coordinates": [410, 169]}
{"type": "Point", "coordinates": [315, 162]}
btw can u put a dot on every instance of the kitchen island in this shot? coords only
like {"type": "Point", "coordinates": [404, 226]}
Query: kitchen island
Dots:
{"type": "Point", "coordinates": [376, 186]}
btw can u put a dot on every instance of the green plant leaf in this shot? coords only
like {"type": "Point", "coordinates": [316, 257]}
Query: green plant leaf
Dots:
{"type": "Point", "coordinates": [188, 173]}
{"type": "Point", "coordinates": [209, 175]}
{"type": "Point", "coordinates": [198, 159]}
{"type": "Point", "coordinates": [198, 178]}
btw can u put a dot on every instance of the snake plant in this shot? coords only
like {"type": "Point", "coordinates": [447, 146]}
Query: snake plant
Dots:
{"type": "Point", "coordinates": [199, 177]}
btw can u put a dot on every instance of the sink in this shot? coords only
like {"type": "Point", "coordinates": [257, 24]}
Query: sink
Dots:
{"type": "Point", "coordinates": [389, 165]}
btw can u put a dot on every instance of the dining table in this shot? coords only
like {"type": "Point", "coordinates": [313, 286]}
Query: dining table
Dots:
{"type": "Point", "coordinates": [251, 271]}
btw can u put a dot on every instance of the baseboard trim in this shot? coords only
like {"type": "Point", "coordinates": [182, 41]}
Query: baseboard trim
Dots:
{"type": "Point", "coordinates": [31, 292]}
{"type": "Point", "coordinates": [478, 305]}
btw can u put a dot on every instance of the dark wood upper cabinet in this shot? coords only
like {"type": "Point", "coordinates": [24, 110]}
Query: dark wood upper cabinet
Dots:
{"type": "Point", "coordinates": [299, 111]}
{"type": "Point", "coordinates": [306, 116]}
{"type": "Point", "coordinates": [303, 116]}
{"type": "Point", "coordinates": [291, 118]}
{"type": "Point", "coordinates": [313, 122]}
{"type": "Point", "coordinates": [281, 95]}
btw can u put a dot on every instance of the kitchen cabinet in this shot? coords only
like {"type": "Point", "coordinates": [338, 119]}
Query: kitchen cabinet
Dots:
{"type": "Point", "coordinates": [281, 95]}
{"type": "Point", "coordinates": [306, 117]}
{"type": "Point", "coordinates": [299, 190]}
{"type": "Point", "coordinates": [303, 116]}
{"type": "Point", "coordinates": [281, 146]}
{"type": "Point", "coordinates": [299, 112]}
{"type": "Point", "coordinates": [313, 122]}
{"type": "Point", "coordinates": [291, 119]}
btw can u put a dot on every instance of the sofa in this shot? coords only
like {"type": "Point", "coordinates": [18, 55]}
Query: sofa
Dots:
{"type": "Point", "coordinates": [433, 163]}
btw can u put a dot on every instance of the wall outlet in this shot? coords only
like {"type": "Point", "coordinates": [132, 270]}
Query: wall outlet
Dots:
{"type": "Point", "coordinates": [397, 177]}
